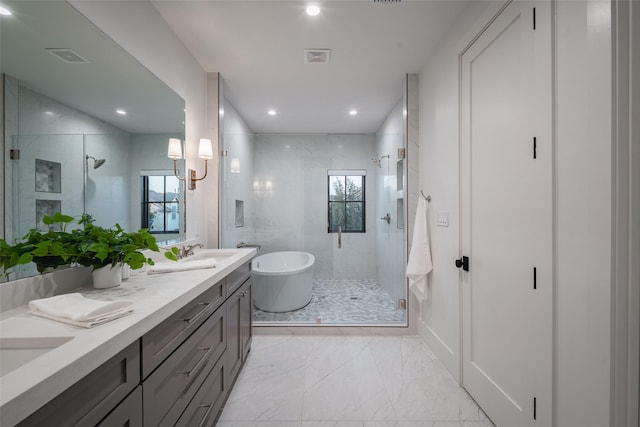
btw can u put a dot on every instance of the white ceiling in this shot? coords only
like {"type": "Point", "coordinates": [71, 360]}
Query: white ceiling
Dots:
{"type": "Point", "coordinates": [258, 45]}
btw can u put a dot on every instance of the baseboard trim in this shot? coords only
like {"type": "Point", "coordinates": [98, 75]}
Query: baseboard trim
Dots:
{"type": "Point", "coordinates": [439, 347]}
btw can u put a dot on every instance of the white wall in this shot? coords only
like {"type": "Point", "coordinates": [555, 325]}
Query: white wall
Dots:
{"type": "Point", "coordinates": [390, 244]}
{"type": "Point", "coordinates": [583, 189]}
{"type": "Point", "coordinates": [439, 177]}
{"type": "Point", "coordinates": [583, 212]}
{"type": "Point", "coordinates": [138, 28]}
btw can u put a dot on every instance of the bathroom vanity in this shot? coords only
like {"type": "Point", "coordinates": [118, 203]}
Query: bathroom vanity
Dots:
{"type": "Point", "coordinates": [172, 362]}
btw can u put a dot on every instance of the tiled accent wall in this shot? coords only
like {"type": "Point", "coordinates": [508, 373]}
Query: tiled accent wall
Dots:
{"type": "Point", "coordinates": [292, 214]}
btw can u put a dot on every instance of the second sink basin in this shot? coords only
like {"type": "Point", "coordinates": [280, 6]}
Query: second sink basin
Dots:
{"type": "Point", "coordinates": [15, 352]}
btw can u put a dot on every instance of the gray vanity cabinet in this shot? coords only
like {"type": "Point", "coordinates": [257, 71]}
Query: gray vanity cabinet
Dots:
{"type": "Point", "coordinates": [88, 401]}
{"type": "Point", "coordinates": [127, 413]}
{"type": "Point", "coordinates": [162, 340]}
{"type": "Point", "coordinates": [178, 374]}
{"type": "Point", "coordinates": [238, 329]}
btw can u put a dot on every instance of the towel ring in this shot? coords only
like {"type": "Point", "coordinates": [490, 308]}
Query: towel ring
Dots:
{"type": "Point", "coordinates": [427, 198]}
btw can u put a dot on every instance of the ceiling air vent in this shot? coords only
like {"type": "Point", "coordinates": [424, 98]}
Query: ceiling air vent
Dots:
{"type": "Point", "coordinates": [67, 55]}
{"type": "Point", "coordinates": [386, 1]}
{"type": "Point", "coordinates": [317, 56]}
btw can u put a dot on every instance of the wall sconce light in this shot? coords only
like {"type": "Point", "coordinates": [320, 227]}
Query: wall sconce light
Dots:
{"type": "Point", "coordinates": [235, 165]}
{"type": "Point", "coordinates": [205, 151]}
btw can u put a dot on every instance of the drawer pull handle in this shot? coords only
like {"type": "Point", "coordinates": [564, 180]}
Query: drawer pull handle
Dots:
{"type": "Point", "coordinates": [204, 419]}
{"type": "Point", "coordinates": [198, 366]}
{"type": "Point", "coordinates": [190, 320]}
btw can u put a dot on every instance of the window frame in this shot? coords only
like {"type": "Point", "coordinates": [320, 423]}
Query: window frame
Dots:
{"type": "Point", "coordinates": [145, 204]}
{"type": "Point", "coordinates": [346, 175]}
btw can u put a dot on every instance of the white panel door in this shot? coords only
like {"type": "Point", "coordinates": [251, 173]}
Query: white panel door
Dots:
{"type": "Point", "coordinates": [506, 185]}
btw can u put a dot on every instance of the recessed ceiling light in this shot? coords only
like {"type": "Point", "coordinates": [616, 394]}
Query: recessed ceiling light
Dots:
{"type": "Point", "coordinates": [4, 11]}
{"type": "Point", "coordinates": [272, 112]}
{"type": "Point", "coordinates": [353, 112]}
{"type": "Point", "coordinates": [121, 112]}
{"type": "Point", "coordinates": [313, 10]}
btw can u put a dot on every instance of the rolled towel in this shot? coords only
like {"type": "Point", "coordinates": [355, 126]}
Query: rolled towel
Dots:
{"type": "Point", "coordinates": [80, 311]}
{"type": "Point", "coordinates": [170, 267]}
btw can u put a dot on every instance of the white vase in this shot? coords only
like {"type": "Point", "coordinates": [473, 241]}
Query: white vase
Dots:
{"type": "Point", "coordinates": [107, 276]}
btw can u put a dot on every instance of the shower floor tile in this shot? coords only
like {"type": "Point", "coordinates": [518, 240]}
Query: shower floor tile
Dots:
{"type": "Point", "coordinates": [340, 302]}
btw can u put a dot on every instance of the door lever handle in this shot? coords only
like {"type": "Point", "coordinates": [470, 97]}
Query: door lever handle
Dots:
{"type": "Point", "coordinates": [463, 263]}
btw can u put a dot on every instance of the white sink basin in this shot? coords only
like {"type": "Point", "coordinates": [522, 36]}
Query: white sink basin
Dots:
{"type": "Point", "coordinates": [15, 352]}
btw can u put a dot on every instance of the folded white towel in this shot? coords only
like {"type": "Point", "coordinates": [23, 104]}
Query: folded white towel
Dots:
{"type": "Point", "coordinates": [420, 264]}
{"type": "Point", "coordinates": [80, 311]}
{"type": "Point", "coordinates": [170, 267]}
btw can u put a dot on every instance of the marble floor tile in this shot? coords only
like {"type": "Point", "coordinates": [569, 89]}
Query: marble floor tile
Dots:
{"type": "Point", "coordinates": [347, 381]}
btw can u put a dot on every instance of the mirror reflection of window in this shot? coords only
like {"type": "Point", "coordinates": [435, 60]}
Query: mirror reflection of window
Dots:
{"type": "Point", "coordinates": [160, 211]}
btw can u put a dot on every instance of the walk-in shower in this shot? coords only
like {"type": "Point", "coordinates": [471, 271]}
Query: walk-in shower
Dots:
{"type": "Point", "coordinates": [324, 195]}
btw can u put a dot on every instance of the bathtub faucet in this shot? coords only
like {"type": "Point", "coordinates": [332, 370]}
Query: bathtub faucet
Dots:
{"type": "Point", "coordinates": [248, 245]}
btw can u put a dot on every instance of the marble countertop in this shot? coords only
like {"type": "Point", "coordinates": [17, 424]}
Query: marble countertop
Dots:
{"type": "Point", "coordinates": [155, 297]}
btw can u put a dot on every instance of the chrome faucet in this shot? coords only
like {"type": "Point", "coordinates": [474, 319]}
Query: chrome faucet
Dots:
{"type": "Point", "coordinates": [187, 251]}
{"type": "Point", "coordinates": [248, 245]}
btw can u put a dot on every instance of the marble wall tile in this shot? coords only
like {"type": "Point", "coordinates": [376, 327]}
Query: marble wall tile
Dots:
{"type": "Point", "coordinates": [292, 213]}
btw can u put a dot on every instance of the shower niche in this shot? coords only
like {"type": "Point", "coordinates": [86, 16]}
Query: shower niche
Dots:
{"type": "Point", "coordinates": [48, 176]}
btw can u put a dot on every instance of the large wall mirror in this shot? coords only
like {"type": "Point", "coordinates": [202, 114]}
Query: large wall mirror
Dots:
{"type": "Point", "coordinates": [85, 128]}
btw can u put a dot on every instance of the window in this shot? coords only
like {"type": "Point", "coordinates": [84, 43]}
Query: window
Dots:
{"type": "Point", "coordinates": [346, 202]}
{"type": "Point", "coordinates": [160, 204]}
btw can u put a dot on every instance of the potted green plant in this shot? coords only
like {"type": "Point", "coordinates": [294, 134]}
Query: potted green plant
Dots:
{"type": "Point", "coordinates": [105, 250]}
{"type": "Point", "coordinates": [48, 250]}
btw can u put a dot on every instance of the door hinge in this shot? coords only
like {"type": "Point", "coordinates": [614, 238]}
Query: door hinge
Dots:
{"type": "Point", "coordinates": [535, 147]}
{"type": "Point", "coordinates": [14, 154]}
{"type": "Point", "coordinates": [535, 278]}
{"type": "Point", "coordinates": [463, 262]}
{"type": "Point", "coordinates": [534, 18]}
{"type": "Point", "coordinates": [535, 408]}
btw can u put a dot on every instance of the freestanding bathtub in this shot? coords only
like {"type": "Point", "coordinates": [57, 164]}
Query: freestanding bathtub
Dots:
{"type": "Point", "coordinates": [282, 281]}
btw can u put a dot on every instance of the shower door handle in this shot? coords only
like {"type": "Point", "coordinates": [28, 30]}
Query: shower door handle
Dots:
{"type": "Point", "coordinates": [339, 237]}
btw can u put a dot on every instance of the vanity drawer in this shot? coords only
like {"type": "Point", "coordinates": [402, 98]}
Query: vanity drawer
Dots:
{"type": "Point", "coordinates": [128, 413]}
{"type": "Point", "coordinates": [238, 277]}
{"type": "Point", "coordinates": [93, 397]}
{"type": "Point", "coordinates": [207, 402]}
{"type": "Point", "coordinates": [171, 387]}
{"type": "Point", "coordinates": [162, 340]}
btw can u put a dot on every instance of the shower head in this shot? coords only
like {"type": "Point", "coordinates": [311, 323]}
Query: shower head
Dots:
{"type": "Point", "coordinates": [378, 162]}
{"type": "Point", "coordinates": [96, 162]}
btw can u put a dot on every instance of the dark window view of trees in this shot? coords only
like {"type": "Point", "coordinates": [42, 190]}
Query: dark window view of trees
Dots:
{"type": "Point", "coordinates": [346, 204]}
{"type": "Point", "coordinates": [160, 204]}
